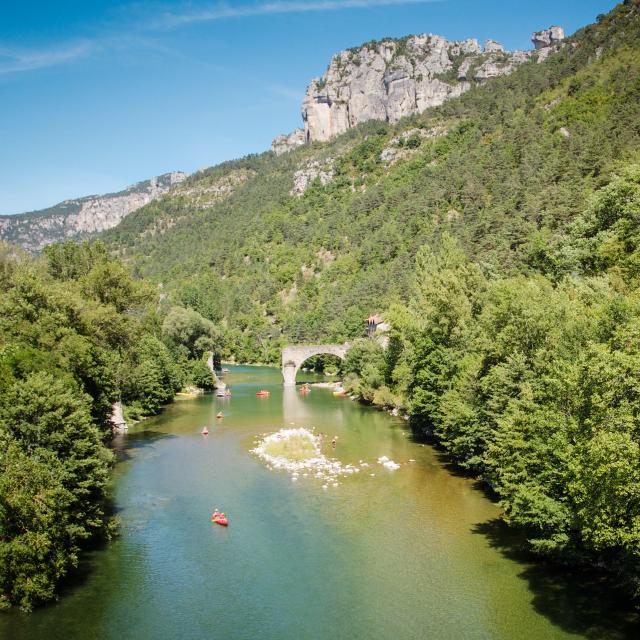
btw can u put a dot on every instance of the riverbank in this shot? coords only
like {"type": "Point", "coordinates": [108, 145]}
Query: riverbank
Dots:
{"type": "Point", "coordinates": [416, 543]}
{"type": "Point", "coordinates": [573, 557]}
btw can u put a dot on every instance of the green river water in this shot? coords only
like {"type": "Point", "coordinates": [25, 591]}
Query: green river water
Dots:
{"type": "Point", "coordinates": [411, 553]}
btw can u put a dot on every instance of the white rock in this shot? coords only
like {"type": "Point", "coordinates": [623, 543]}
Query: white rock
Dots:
{"type": "Point", "coordinates": [388, 80]}
{"type": "Point", "coordinates": [491, 46]}
{"type": "Point", "coordinates": [313, 169]}
{"type": "Point", "coordinates": [547, 37]}
{"type": "Point", "coordinates": [83, 216]}
{"type": "Point", "coordinates": [287, 142]}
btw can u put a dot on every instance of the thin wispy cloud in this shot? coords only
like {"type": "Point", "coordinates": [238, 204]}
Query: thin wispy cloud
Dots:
{"type": "Point", "coordinates": [285, 92]}
{"type": "Point", "coordinates": [172, 20]}
{"type": "Point", "coordinates": [15, 60]}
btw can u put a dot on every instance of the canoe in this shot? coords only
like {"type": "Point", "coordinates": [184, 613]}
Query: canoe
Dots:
{"type": "Point", "coordinates": [340, 394]}
{"type": "Point", "coordinates": [223, 522]}
{"type": "Point", "coordinates": [262, 393]}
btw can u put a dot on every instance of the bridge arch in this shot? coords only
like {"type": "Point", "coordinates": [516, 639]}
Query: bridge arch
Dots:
{"type": "Point", "coordinates": [294, 356]}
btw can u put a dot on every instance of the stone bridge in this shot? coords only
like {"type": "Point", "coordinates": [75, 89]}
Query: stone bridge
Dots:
{"type": "Point", "coordinates": [294, 356]}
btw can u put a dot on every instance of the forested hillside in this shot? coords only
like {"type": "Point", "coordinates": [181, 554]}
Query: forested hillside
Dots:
{"type": "Point", "coordinates": [505, 169]}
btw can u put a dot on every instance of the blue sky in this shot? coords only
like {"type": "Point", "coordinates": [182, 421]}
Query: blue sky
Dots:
{"type": "Point", "coordinates": [97, 94]}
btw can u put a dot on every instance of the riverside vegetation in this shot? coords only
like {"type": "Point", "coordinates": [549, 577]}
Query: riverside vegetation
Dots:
{"type": "Point", "coordinates": [500, 240]}
{"type": "Point", "coordinates": [77, 332]}
{"type": "Point", "coordinates": [501, 243]}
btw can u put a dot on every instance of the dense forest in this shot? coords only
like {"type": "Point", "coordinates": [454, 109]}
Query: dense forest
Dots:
{"type": "Point", "coordinates": [531, 382]}
{"type": "Point", "coordinates": [500, 242]}
{"type": "Point", "coordinates": [77, 333]}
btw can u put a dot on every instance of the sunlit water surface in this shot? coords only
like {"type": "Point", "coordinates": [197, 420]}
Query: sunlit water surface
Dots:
{"type": "Point", "coordinates": [412, 553]}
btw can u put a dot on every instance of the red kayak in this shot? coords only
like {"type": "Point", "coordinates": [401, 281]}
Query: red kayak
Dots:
{"type": "Point", "coordinates": [221, 520]}
{"type": "Point", "coordinates": [205, 431]}
{"type": "Point", "coordinates": [262, 393]}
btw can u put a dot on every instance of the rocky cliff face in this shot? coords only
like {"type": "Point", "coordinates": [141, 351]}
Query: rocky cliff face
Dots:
{"type": "Point", "coordinates": [82, 217]}
{"type": "Point", "coordinates": [390, 79]}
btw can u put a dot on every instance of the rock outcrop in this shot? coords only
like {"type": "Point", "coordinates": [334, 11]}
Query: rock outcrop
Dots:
{"type": "Point", "coordinates": [547, 37]}
{"type": "Point", "coordinates": [389, 79]}
{"type": "Point", "coordinates": [205, 192]}
{"type": "Point", "coordinates": [312, 170]}
{"type": "Point", "coordinates": [284, 143]}
{"type": "Point", "coordinates": [118, 422]}
{"type": "Point", "coordinates": [384, 81]}
{"type": "Point", "coordinates": [83, 217]}
{"type": "Point", "coordinates": [407, 143]}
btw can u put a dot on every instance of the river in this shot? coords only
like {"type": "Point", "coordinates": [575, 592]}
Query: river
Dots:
{"type": "Point", "coordinates": [412, 553]}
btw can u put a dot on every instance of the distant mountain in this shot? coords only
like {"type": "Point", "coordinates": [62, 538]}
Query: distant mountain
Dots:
{"type": "Point", "coordinates": [82, 217]}
{"type": "Point", "coordinates": [397, 77]}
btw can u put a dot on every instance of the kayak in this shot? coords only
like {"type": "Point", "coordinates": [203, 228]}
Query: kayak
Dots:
{"type": "Point", "coordinates": [221, 520]}
{"type": "Point", "coordinates": [262, 393]}
{"type": "Point", "coordinates": [340, 394]}
{"type": "Point", "coordinates": [219, 415]}
{"type": "Point", "coordinates": [205, 431]}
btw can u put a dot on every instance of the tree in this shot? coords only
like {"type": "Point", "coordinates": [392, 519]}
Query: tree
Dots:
{"type": "Point", "coordinates": [186, 328]}
{"type": "Point", "coordinates": [53, 484]}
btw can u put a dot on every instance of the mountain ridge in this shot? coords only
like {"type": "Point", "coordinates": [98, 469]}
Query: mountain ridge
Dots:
{"type": "Point", "coordinates": [393, 78]}
{"type": "Point", "coordinates": [83, 216]}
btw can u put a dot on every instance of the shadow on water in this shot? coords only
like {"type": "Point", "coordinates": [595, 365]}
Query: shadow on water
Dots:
{"type": "Point", "coordinates": [419, 436]}
{"type": "Point", "coordinates": [90, 557]}
{"type": "Point", "coordinates": [77, 578]}
{"type": "Point", "coordinates": [123, 443]}
{"type": "Point", "coordinates": [578, 600]}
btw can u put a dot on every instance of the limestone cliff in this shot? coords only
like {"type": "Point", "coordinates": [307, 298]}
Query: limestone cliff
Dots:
{"type": "Point", "coordinates": [82, 217]}
{"type": "Point", "coordinates": [389, 79]}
